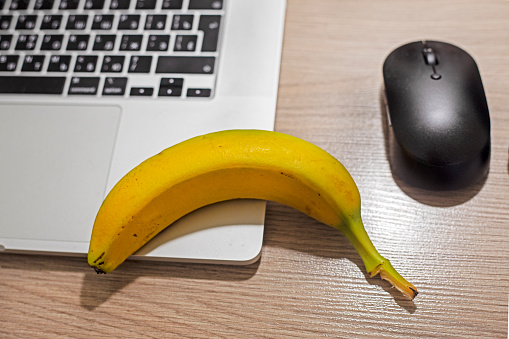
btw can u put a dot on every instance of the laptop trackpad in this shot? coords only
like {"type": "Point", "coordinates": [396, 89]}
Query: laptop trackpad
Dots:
{"type": "Point", "coordinates": [55, 163]}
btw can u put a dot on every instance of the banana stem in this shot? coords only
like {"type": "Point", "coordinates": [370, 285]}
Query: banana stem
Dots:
{"type": "Point", "coordinates": [373, 261]}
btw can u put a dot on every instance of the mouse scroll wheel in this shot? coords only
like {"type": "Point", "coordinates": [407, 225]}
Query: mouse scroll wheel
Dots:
{"type": "Point", "coordinates": [430, 56]}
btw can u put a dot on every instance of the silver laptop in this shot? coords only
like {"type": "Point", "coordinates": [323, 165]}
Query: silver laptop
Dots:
{"type": "Point", "coordinates": [91, 88]}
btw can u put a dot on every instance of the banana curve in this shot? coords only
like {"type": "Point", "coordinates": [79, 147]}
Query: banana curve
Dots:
{"type": "Point", "coordinates": [223, 166]}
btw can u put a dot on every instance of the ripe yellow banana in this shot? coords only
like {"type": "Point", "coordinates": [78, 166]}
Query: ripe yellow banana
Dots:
{"type": "Point", "coordinates": [230, 165]}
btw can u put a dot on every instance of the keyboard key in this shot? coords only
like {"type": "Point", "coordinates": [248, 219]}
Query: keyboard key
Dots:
{"type": "Point", "coordinates": [172, 4]}
{"type": "Point", "coordinates": [182, 22]}
{"type": "Point", "coordinates": [172, 82]}
{"type": "Point", "coordinates": [59, 63]}
{"type": "Point", "coordinates": [205, 4]}
{"type": "Point", "coordinates": [185, 43]}
{"type": "Point", "coordinates": [120, 4]}
{"type": "Point", "coordinates": [155, 22]}
{"type": "Point", "coordinates": [26, 22]}
{"type": "Point", "coordinates": [31, 85]}
{"type": "Point", "coordinates": [2, 3]}
{"type": "Point", "coordinates": [5, 21]}
{"type": "Point", "coordinates": [84, 85]}
{"type": "Point", "coordinates": [19, 4]}
{"type": "Point", "coordinates": [69, 4]}
{"type": "Point", "coordinates": [185, 64]}
{"type": "Point", "coordinates": [209, 24]}
{"type": "Point", "coordinates": [113, 63]}
{"type": "Point", "coordinates": [158, 43]}
{"type": "Point", "coordinates": [94, 4]}
{"type": "Point", "coordinates": [129, 22]}
{"type": "Point", "coordinates": [43, 4]}
{"type": "Point", "coordinates": [77, 42]}
{"type": "Point", "coordinates": [8, 63]}
{"type": "Point", "coordinates": [146, 4]}
{"type": "Point", "coordinates": [85, 63]}
{"type": "Point", "coordinates": [52, 42]}
{"type": "Point", "coordinates": [198, 92]}
{"type": "Point", "coordinates": [51, 22]}
{"type": "Point", "coordinates": [32, 63]}
{"type": "Point", "coordinates": [104, 42]}
{"type": "Point", "coordinates": [114, 86]}
{"type": "Point", "coordinates": [141, 91]}
{"type": "Point", "coordinates": [131, 42]}
{"type": "Point", "coordinates": [78, 22]}
{"type": "Point", "coordinates": [102, 21]}
{"type": "Point", "coordinates": [5, 42]}
{"type": "Point", "coordinates": [140, 64]}
{"type": "Point", "coordinates": [26, 42]}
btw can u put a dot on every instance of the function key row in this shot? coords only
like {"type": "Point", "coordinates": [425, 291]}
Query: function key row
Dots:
{"type": "Point", "coordinates": [101, 42]}
{"type": "Point", "coordinates": [113, 86]}
{"type": "Point", "coordinates": [110, 64]}
{"type": "Point", "coordinates": [113, 4]}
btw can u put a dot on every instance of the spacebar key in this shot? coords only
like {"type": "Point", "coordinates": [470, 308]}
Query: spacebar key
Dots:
{"type": "Point", "coordinates": [31, 85]}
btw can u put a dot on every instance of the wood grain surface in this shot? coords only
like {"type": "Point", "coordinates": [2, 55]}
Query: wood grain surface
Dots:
{"type": "Point", "coordinates": [310, 282]}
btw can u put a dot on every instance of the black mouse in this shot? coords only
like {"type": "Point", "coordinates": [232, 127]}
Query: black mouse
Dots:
{"type": "Point", "coordinates": [438, 113]}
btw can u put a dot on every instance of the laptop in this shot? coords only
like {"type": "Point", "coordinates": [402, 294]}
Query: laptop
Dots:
{"type": "Point", "coordinates": [91, 88]}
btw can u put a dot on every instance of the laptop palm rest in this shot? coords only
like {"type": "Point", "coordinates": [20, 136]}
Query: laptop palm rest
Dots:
{"type": "Point", "coordinates": [54, 172]}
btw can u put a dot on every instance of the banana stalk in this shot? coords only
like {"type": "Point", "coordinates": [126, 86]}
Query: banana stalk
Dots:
{"type": "Point", "coordinates": [227, 165]}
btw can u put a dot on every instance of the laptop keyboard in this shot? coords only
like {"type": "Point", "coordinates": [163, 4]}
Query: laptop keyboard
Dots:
{"type": "Point", "coordinates": [131, 48]}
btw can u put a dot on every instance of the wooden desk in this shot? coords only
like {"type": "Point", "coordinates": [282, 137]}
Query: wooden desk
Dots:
{"type": "Point", "coordinates": [309, 281]}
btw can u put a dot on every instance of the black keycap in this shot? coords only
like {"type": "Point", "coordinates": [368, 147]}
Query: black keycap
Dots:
{"type": "Point", "coordinates": [185, 64]}
{"type": "Point", "coordinates": [142, 91]}
{"type": "Point", "coordinates": [104, 42]}
{"type": "Point", "coordinates": [5, 42]}
{"type": "Point", "coordinates": [155, 22]}
{"type": "Point", "coordinates": [120, 4]}
{"type": "Point", "coordinates": [8, 63]}
{"type": "Point", "coordinates": [51, 21]}
{"type": "Point", "coordinates": [5, 21]}
{"type": "Point", "coordinates": [114, 86]}
{"type": "Point", "coordinates": [199, 92]}
{"type": "Point", "coordinates": [26, 42]}
{"type": "Point", "coordinates": [78, 22]}
{"type": "Point", "coordinates": [185, 43]}
{"type": "Point", "coordinates": [146, 4]}
{"type": "Point", "coordinates": [172, 4]}
{"type": "Point", "coordinates": [2, 3]}
{"type": "Point", "coordinates": [52, 42]}
{"type": "Point", "coordinates": [77, 42]}
{"type": "Point", "coordinates": [43, 4]}
{"type": "Point", "coordinates": [31, 85]}
{"type": "Point", "coordinates": [182, 22]}
{"type": "Point", "coordinates": [205, 4]}
{"type": "Point", "coordinates": [94, 4]}
{"type": "Point", "coordinates": [129, 21]}
{"type": "Point", "coordinates": [26, 22]}
{"type": "Point", "coordinates": [209, 24]}
{"type": "Point", "coordinates": [33, 63]}
{"type": "Point", "coordinates": [131, 42]}
{"type": "Point", "coordinates": [140, 64]}
{"type": "Point", "coordinates": [85, 63]}
{"type": "Point", "coordinates": [84, 86]}
{"type": "Point", "coordinates": [19, 4]}
{"type": "Point", "coordinates": [103, 21]}
{"type": "Point", "coordinates": [158, 42]}
{"type": "Point", "coordinates": [59, 63]}
{"type": "Point", "coordinates": [171, 87]}
{"type": "Point", "coordinates": [69, 4]}
{"type": "Point", "coordinates": [113, 63]}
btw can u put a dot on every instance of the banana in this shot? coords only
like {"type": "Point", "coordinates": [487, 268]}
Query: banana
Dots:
{"type": "Point", "coordinates": [228, 165]}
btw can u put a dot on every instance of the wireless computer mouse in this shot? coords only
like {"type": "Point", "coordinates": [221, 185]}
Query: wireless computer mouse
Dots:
{"type": "Point", "coordinates": [438, 113]}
